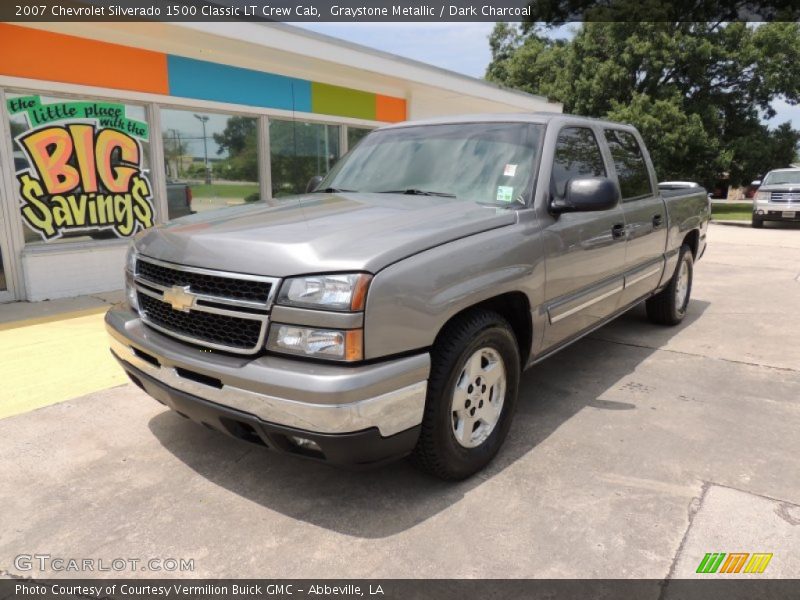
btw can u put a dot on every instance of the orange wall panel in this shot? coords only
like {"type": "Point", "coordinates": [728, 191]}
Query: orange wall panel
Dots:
{"type": "Point", "coordinates": [390, 109]}
{"type": "Point", "coordinates": [36, 54]}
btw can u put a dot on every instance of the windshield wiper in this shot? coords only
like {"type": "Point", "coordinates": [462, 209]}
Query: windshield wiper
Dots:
{"type": "Point", "coordinates": [416, 192]}
{"type": "Point", "coordinates": [330, 190]}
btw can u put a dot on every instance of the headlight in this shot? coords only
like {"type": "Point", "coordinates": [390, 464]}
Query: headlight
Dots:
{"type": "Point", "coordinates": [332, 344]}
{"type": "Point", "coordinates": [761, 197]}
{"type": "Point", "coordinates": [130, 260]}
{"type": "Point", "coordinates": [347, 292]}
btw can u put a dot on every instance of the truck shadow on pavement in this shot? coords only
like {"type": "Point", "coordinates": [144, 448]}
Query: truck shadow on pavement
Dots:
{"type": "Point", "coordinates": [382, 502]}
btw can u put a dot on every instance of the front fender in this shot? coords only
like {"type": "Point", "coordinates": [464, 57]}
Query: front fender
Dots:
{"type": "Point", "coordinates": [410, 301]}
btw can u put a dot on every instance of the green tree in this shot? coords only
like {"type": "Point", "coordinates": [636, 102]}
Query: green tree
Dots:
{"type": "Point", "coordinates": [239, 141]}
{"type": "Point", "coordinates": [697, 91]}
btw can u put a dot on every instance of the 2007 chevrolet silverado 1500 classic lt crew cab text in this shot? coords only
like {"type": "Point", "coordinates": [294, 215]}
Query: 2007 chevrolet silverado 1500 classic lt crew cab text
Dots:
{"type": "Point", "coordinates": [392, 310]}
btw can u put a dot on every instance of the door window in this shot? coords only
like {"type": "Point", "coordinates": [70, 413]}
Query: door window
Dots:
{"type": "Point", "coordinates": [634, 179]}
{"type": "Point", "coordinates": [577, 156]}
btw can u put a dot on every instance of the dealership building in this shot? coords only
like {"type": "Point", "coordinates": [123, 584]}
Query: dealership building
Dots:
{"type": "Point", "coordinates": [109, 128]}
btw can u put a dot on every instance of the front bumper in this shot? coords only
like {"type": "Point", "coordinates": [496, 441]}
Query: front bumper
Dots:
{"type": "Point", "coordinates": [774, 211]}
{"type": "Point", "coordinates": [354, 414]}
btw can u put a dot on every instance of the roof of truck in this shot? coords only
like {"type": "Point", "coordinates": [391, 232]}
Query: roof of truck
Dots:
{"type": "Point", "coordinates": [532, 117]}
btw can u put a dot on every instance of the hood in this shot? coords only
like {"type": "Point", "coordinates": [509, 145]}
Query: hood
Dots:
{"type": "Point", "coordinates": [318, 233]}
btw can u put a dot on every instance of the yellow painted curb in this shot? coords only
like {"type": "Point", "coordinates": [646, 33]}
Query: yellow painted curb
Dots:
{"type": "Point", "coordinates": [54, 317]}
{"type": "Point", "coordinates": [51, 359]}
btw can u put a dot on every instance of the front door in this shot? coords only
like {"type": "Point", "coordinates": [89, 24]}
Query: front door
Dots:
{"type": "Point", "coordinates": [584, 251]}
{"type": "Point", "coordinates": [645, 215]}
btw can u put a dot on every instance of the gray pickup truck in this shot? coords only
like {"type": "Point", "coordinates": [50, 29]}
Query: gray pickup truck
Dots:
{"type": "Point", "coordinates": [391, 311]}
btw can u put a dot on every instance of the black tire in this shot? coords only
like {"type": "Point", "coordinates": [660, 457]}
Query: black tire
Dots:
{"type": "Point", "coordinates": [757, 223]}
{"type": "Point", "coordinates": [438, 452]}
{"type": "Point", "coordinates": [664, 308]}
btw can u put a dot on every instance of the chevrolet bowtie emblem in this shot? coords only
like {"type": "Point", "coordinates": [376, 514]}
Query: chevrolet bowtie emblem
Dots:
{"type": "Point", "coordinates": [180, 298]}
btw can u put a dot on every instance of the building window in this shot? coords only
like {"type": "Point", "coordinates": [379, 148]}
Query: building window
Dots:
{"type": "Point", "coordinates": [81, 168]}
{"type": "Point", "coordinates": [299, 151]}
{"type": "Point", "coordinates": [354, 135]}
{"type": "Point", "coordinates": [210, 159]}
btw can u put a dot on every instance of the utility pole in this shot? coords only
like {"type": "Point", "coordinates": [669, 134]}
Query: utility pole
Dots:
{"type": "Point", "coordinates": [203, 119]}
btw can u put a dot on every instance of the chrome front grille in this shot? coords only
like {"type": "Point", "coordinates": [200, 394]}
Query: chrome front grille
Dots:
{"type": "Point", "coordinates": [785, 197]}
{"type": "Point", "coordinates": [216, 309]}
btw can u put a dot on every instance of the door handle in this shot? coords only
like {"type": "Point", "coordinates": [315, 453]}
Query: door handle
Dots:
{"type": "Point", "coordinates": [618, 231]}
{"type": "Point", "coordinates": [657, 221]}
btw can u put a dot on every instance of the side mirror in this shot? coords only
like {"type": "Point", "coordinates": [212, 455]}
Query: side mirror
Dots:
{"type": "Point", "coordinates": [591, 194]}
{"type": "Point", "coordinates": [313, 183]}
{"type": "Point", "coordinates": [756, 183]}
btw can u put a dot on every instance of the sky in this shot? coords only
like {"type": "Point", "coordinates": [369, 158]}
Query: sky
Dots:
{"type": "Point", "coordinates": [459, 47]}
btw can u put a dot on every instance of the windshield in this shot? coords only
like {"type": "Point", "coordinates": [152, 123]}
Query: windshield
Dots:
{"type": "Point", "coordinates": [484, 162]}
{"type": "Point", "coordinates": [778, 177]}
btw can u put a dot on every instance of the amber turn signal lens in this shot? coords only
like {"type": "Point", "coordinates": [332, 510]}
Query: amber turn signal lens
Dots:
{"type": "Point", "coordinates": [359, 299]}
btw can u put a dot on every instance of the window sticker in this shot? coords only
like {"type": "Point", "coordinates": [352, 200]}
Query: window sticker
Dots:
{"type": "Point", "coordinates": [505, 193]}
{"type": "Point", "coordinates": [85, 170]}
{"type": "Point", "coordinates": [510, 170]}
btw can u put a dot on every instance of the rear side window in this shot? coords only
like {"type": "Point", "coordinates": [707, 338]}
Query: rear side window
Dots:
{"type": "Point", "coordinates": [577, 156]}
{"type": "Point", "coordinates": [634, 180]}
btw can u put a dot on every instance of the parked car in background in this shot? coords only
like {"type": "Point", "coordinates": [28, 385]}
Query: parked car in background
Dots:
{"type": "Point", "coordinates": [391, 310]}
{"type": "Point", "coordinates": [778, 197]}
{"type": "Point", "coordinates": [179, 199]}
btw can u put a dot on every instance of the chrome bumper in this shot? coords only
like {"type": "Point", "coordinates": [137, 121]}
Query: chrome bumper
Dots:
{"type": "Point", "coordinates": [389, 396]}
{"type": "Point", "coordinates": [781, 207]}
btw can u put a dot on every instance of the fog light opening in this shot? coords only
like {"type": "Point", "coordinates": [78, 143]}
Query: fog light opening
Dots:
{"type": "Point", "coordinates": [305, 443]}
{"type": "Point", "coordinates": [306, 447]}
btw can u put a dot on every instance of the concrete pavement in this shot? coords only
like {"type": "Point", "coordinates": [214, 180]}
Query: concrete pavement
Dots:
{"type": "Point", "coordinates": [633, 453]}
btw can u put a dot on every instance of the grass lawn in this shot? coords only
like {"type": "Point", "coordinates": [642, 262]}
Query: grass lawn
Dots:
{"type": "Point", "coordinates": [739, 211]}
{"type": "Point", "coordinates": [224, 190]}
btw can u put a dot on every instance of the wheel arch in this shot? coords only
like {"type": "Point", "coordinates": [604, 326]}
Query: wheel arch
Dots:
{"type": "Point", "coordinates": [515, 308]}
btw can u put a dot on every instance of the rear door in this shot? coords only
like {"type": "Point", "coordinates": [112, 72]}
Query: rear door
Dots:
{"type": "Point", "coordinates": [584, 251]}
{"type": "Point", "coordinates": [645, 214]}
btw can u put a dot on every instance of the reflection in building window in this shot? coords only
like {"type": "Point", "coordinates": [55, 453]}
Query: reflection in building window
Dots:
{"type": "Point", "coordinates": [355, 135]}
{"type": "Point", "coordinates": [210, 159]}
{"type": "Point", "coordinates": [299, 151]}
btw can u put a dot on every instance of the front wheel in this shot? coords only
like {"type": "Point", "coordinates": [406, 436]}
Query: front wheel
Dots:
{"type": "Point", "coordinates": [472, 393]}
{"type": "Point", "coordinates": [757, 223]}
{"type": "Point", "coordinates": [668, 307]}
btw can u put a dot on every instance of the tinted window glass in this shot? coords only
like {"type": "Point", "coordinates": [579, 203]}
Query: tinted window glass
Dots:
{"type": "Point", "coordinates": [634, 180]}
{"type": "Point", "coordinates": [577, 156]}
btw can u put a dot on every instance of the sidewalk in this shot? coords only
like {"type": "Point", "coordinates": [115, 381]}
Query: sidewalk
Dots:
{"type": "Point", "coordinates": [53, 351]}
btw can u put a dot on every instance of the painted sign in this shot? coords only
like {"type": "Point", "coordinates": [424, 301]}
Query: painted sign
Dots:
{"type": "Point", "coordinates": [86, 168]}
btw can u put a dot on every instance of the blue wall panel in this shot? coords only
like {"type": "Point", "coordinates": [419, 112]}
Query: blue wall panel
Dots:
{"type": "Point", "coordinates": [204, 80]}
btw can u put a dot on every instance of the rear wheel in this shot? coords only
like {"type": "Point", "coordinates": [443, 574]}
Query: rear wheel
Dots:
{"type": "Point", "coordinates": [472, 393]}
{"type": "Point", "coordinates": [668, 307]}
